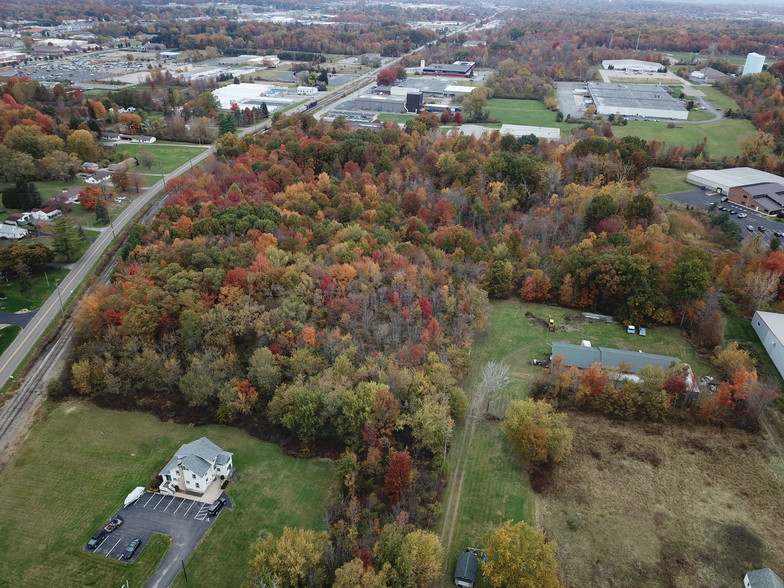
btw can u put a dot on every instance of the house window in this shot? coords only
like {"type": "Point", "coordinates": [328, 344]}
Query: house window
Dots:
{"type": "Point", "coordinates": [193, 476]}
{"type": "Point", "coordinates": [197, 484]}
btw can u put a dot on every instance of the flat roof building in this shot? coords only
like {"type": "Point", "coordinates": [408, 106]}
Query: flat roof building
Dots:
{"type": "Point", "coordinates": [411, 102]}
{"type": "Point", "coordinates": [633, 65]}
{"type": "Point", "coordinates": [722, 180]}
{"type": "Point", "coordinates": [636, 100]}
{"type": "Point", "coordinates": [584, 357]}
{"type": "Point", "coordinates": [458, 68]}
{"type": "Point", "coordinates": [769, 327]}
{"type": "Point", "coordinates": [250, 95]}
{"type": "Point", "coordinates": [552, 133]}
{"type": "Point", "coordinates": [765, 197]}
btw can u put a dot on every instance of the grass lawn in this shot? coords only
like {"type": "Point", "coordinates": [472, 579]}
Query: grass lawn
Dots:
{"type": "Point", "coordinates": [79, 463]}
{"type": "Point", "coordinates": [7, 336]}
{"type": "Point", "coordinates": [492, 486]}
{"type": "Point", "coordinates": [43, 285]}
{"type": "Point", "coordinates": [49, 189]}
{"type": "Point", "coordinates": [524, 112]}
{"type": "Point", "coordinates": [718, 98]}
{"type": "Point", "coordinates": [680, 504]}
{"type": "Point", "coordinates": [168, 157]}
{"type": "Point", "coordinates": [686, 57]}
{"type": "Point", "coordinates": [698, 115]}
{"type": "Point", "coordinates": [740, 330]}
{"type": "Point", "coordinates": [662, 180]}
{"type": "Point", "coordinates": [722, 135]}
{"type": "Point", "coordinates": [396, 118]}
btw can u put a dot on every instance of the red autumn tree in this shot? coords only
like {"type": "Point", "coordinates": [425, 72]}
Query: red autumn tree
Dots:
{"type": "Point", "coordinates": [399, 476]}
{"type": "Point", "coordinates": [88, 197]}
{"type": "Point", "coordinates": [386, 76]}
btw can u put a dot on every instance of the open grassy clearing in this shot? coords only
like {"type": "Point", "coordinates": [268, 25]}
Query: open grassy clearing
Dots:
{"type": "Point", "coordinates": [487, 485]}
{"type": "Point", "coordinates": [43, 284]}
{"type": "Point", "coordinates": [718, 98]}
{"type": "Point", "coordinates": [167, 157]}
{"type": "Point", "coordinates": [79, 463]}
{"type": "Point", "coordinates": [662, 180]}
{"type": "Point", "coordinates": [722, 135]}
{"type": "Point", "coordinates": [524, 112]}
{"type": "Point", "coordinates": [740, 330]}
{"type": "Point", "coordinates": [699, 115]}
{"type": "Point", "coordinates": [7, 336]}
{"type": "Point", "coordinates": [664, 505]}
{"type": "Point", "coordinates": [395, 118]}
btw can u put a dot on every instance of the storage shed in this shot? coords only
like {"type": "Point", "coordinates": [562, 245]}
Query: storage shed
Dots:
{"type": "Point", "coordinates": [466, 569]}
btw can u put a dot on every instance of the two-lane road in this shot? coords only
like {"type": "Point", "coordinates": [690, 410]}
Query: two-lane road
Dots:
{"type": "Point", "coordinates": [12, 358]}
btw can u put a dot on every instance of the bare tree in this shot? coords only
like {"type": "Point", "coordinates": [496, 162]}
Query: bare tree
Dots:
{"type": "Point", "coordinates": [492, 379]}
{"type": "Point", "coordinates": [760, 288]}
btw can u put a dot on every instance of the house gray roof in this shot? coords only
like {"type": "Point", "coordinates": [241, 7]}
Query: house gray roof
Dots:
{"type": "Point", "coordinates": [764, 578]}
{"type": "Point", "coordinates": [198, 456]}
{"type": "Point", "coordinates": [584, 357]}
{"type": "Point", "coordinates": [467, 565]}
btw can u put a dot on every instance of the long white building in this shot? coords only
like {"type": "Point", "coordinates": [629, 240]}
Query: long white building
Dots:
{"type": "Point", "coordinates": [636, 100]}
{"type": "Point", "coordinates": [632, 65]}
{"type": "Point", "coordinates": [721, 180]}
{"type": "Point", "coordinates": [769, 327]}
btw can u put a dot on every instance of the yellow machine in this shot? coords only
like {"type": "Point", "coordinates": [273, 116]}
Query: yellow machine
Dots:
{"type": "Point", "coordinates": [551, 325]}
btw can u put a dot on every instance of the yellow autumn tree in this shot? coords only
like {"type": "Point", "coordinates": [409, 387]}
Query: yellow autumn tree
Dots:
{"type": "Point", "coordinates": [519, 557]}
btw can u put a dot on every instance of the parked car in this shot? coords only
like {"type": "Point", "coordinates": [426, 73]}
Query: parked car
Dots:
{"type": "Point", "coordinates": [725, 198]}
{"type": "Point", "coordinates": [216, 506]}
{"type": "Point", "coordinates": [131, 549]}
{"type": "Point", "coordinates": [733, 212]}
{"type": "Point", "coordinates": [96, 539]}
{"type": "Point", "coordinates": [750, 228]}
{"type": "Point", "coordinates": [742, 215]}
{"type": "Point", "coordinates": [779, 233]}
{"type": "Point", "coordinates": [113, 524]}
{"type": "Point", "coordinates": [761, 229]}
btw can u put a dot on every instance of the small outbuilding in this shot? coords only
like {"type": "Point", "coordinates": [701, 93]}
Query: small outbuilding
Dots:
{"type": "Point", "coordinates": [764, 578]}
{"type": "Point", "coordinates": [466, 569]}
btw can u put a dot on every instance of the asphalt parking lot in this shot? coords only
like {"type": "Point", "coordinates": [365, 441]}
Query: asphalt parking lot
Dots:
{"type": "Point", "coordinates": [703, 199]}
{"type": "Point", "coordinates": [184, 520]}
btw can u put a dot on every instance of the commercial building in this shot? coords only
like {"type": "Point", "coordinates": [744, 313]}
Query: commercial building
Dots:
{"type": "Point", "coordinates": [11, 58]}
{"type": "Point", "coordinates": [765, 197]}
{"type": "Point", "coordinates": [754, 63]}
{"type": "Point", "coordinates": [636, 100]}
{"type": "Point", "coordinates": [708, 75]}
{"type": "Point", "coordinates": [462, 69]}
{"type": "Point", "coordinates": [411, 102]}
{"type": "Point", "coordinates": [250, 95]}
{"type": "Point", "coordinates": [769, 327]}
{"type": "Point", "coordinates": [633, 65]}
{"type": "Point", "coordinates": [722, 180]}
{"type": "Point", "coordinates": [551, 133]}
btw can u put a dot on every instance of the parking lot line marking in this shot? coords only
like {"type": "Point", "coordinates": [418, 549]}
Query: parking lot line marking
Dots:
{"type": "Point", "coordinates": [112, 549]}
{"type": "Point", "coordinates": [168, 505]}
{"type": "Point", "coordinates": [159, 503]}
{"type": "Point", "coordinates": [148, 500]}
{"type": "Point", "coordinates": [178, 506]}
{"type": "Point", "coordinates": [189, 508]}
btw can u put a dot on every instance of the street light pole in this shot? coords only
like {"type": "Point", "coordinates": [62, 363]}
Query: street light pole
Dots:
{"type": "Point", "coordinates": [57, 289]}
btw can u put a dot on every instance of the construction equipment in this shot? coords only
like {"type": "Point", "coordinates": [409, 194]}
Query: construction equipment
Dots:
{"type": "Point", "coordinates": [551, 325]}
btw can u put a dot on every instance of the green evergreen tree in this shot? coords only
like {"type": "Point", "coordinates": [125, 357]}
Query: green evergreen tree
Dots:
{"type": "Point", "coordinates": [66, 238]}
{"type": "Point", "coordinates": [226, 123]}
{"type": "Point", "coordinates": [264, 110]}
{"type": "Point", "coordinates": [24, 277]}
{"type": "Point", "coordinates": [101, 212]}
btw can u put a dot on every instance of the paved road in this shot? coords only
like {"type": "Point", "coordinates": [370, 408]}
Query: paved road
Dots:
{"type": "Point", "coordinates": [11, 359]}
{"type": "Point", "coordinates": [704, 199]}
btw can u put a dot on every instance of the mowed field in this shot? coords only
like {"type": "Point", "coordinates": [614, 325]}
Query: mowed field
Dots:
{"type": "Point", "coordinates": [79, 463]}
{"type": "Point", "coordinates": [652, 505]}
{"type": "Point", "coordinates": [524, 112]}
{"type": "Point", "coordinates": [663, 180]}
{"type": "Point", "coordinates": [487, 483]}
{"type": "Point", "coordinates": [167, 157]}
{"type": "Point", "coordinates": [722, 135]}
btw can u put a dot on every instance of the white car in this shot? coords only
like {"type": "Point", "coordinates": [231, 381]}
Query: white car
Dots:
{"type": "Point", "coordinates": [742, 215]}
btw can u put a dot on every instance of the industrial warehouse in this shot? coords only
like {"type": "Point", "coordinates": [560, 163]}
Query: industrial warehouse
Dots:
{"type": "Point", "coordinates": [646, 101]}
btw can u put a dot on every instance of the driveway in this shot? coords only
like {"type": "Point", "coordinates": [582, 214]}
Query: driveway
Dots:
{"type": "Point", "coordinates": [567, 101]}
{"type": "Point", "coordinates": [19, 319]}
{"type": "Point", "coordinates": [184, 520]}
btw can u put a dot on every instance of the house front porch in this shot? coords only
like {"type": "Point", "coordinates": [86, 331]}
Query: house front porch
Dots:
{"type": "Point", "coordinates": [210, 495]}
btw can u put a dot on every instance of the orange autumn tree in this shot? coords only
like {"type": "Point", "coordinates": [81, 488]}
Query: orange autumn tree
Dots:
{"type": "Point", "coordinates": [88, 197]}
